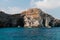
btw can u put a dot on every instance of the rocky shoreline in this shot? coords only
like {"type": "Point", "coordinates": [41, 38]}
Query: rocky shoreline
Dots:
{"type": "Point", "coordinates": [31, 18]}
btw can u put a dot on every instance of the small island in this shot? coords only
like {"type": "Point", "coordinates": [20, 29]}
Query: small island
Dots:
{"type": "Point", "coordinates": [31, 18]}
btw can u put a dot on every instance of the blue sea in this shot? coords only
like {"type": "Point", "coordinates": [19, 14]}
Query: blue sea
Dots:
{"type": "Point", "coordinates": [30, 33]}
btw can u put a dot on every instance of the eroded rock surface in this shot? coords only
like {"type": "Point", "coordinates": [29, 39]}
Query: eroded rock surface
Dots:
{"type": "Point", "coordinates": [31, 18]}
{"type": "Point", "coordinates": [37, 18]}
{"type": "Point", "coordinates": [7, 20]}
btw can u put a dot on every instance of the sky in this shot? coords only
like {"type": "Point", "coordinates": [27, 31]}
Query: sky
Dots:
{"type": "Point", "coordinates": [51, 7]}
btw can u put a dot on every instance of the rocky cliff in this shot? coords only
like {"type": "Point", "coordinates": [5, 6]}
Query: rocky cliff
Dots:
{"type": "Point", "coordinates": [30, 18]}
{"type": "Point", "coordinates": [7, 20]}
{"type": "Point", "coordinates": [37, 18]}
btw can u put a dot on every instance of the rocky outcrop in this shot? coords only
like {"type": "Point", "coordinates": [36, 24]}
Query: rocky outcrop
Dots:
{"type": "Point", "coordinates": [37, 18]}
{"type": "Point", "coordinates": [4, 19]}
{"type": "Point", "coordinates": [7, 20]}
{"type": "Point", "coordinates": [56, 23]}
{"type": "Point", "coordinates": [19, 20]}
{"type": "Point", "coordinates": [30, 18]}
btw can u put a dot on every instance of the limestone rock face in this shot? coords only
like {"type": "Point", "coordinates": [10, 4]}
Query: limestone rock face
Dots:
{"type": "Point", "coordinates": [37, 18]}
{"type": "Point", "coordinates": [31, 18]}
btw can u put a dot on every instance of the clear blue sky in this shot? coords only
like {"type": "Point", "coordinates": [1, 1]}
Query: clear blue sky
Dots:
{"type": "Point", "coordinates": [15, 6]}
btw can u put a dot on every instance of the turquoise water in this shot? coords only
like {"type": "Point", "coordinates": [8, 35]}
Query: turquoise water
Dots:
{"type": "Point", "coordinates": [30, 33]}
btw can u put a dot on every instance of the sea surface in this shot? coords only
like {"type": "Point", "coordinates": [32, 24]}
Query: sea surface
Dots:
{"type": "Point", "coordinates": [30, 33]}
